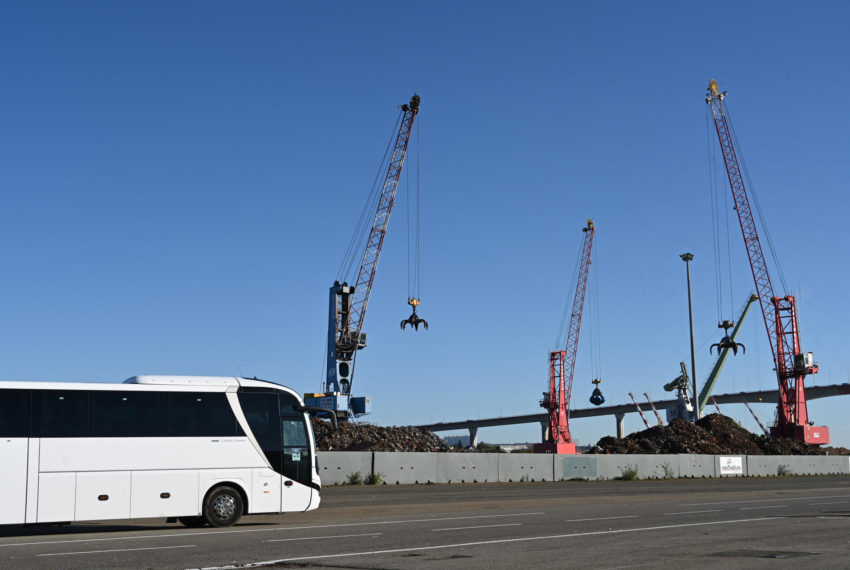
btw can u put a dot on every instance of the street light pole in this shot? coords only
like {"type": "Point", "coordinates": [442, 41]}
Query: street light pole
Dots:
{"type": "Point", "coordinates": [687, 257]}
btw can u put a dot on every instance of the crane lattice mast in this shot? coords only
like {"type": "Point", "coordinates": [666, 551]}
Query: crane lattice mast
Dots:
{"type": "Point", "coordinates": [562, 363]}
{"type": "Point", "coordinates": [780, 313]}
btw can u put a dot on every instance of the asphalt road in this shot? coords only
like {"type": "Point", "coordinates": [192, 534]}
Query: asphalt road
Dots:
{"type": "Point", "coordinates": [714, 523]}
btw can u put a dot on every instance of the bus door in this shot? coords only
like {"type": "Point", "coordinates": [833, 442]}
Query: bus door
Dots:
{"type": "Point", "coordinates": [297, 464]}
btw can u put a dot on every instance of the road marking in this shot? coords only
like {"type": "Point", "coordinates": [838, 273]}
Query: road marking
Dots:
{"type": "Point", "coordinates": [469, 527]}
{"type": "Point", "coordinates": [323, 537]}
{"type": "Point", "coordinates": [830, 503]}
{"type": "Point", "coordinates": [487, 542]}
{"type": "Point", "coordinates": [696, 512]}
{"type": "Point", "coordinates": [117, 550]}
{"type": "Point", "coordinates": [604, 518]}
{"type": "Point", "coordinates": [765, 507]}
{"type": "Point", "coordinates": [276, 529]}
{"type": "Point", "coordinates": [764, 500]}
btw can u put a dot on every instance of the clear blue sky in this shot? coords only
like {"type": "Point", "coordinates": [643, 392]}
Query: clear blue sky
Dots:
{"type": "Point", "coordinates": [180, 181]}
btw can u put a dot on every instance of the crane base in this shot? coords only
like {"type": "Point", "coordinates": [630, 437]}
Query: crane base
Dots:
{"type": "Point", "coordinates": [813, 435]}
{"type": "Point", "coordinates": [559, 448]}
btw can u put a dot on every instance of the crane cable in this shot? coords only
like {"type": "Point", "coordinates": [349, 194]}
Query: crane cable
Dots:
{"type": "Point", "coordinates": [560, 336]}
{"type": "Point", "coordinates": [595, 333]}
{"type": "Point", "coordinates": [719, 226]}
{"type": "Point", "coordinates": [593, 321]}
{"type": "Point", "coordinates": [413, 225]}
{"type": "Point", "coordinates": [356, 243]}
{"type": "Point", "coordinates": [361, 230]}
{"type": "Point", "coordinates": [716, 225]}
{"type": "Point", "coordinates": [752, 192]}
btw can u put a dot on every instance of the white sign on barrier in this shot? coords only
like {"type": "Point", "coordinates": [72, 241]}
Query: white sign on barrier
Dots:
{"type": "Point", "coordinates": [731, 465]}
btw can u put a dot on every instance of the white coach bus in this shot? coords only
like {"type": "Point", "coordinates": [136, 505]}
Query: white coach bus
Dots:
{"type": "Point", "coordinates": [204, 450]}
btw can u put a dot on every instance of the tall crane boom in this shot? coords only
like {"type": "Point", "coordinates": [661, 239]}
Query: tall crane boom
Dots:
{"type": "Point", "coordinates": [369, 264]}
{"type": "Point", "coordinates": [348, 303]}
{"type": "Point", "coordinates": [779, 312]}
{"type": "Point", "coordinates": [562, 364]}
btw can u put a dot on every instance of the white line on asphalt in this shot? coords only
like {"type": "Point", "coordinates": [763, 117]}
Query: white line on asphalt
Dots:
{"type": "Point", "coordinates": [765, 507]}
{"type": "Point", "coordinates": [486, 542]}
{"type": "Point", "coordinates": [604, 518]}
{"type": "Point", "coordinates": [765, 500]}
{"type": "Point", "coordinates": [117, 550]}
{"type": "Point", "coordinates": [469, 527]}
{"type": "Point", "coordinates": [696, 512]}
{"type": "Point", "coordinates": [322, 537]}
{"type": "Point", "coordinates": [275, 529]}
{"type": "Point", "coordinates": [830, 503]}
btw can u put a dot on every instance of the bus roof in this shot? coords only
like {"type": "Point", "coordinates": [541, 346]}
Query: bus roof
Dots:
{"type": "Point", "coordinates": [153, 382]}
{"type": "Point", "coordinates": [183, 380]}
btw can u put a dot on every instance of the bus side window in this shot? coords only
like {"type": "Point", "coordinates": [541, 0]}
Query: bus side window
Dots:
{"type": "Point", "coordinates": [60, 413]}
{"type": "Point", "coordinates": [127, 414]}
{"type": "Point", "coordinates": [195, 414]}
{"type": "Point", "coordinates": [14, 413]}
{"type": "Point", "coordinates": [260, 409]}
{"type": "Point", "coordinates": [294, 433]}
{"type": "Point", "coordinates": [296, 449]}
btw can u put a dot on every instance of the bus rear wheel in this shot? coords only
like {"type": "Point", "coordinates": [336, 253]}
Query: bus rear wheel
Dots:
{"type": "Point", "coordinates": [223, 506]}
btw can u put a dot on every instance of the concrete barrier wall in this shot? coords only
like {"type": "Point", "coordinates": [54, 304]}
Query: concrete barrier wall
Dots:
{"type": "Point", "coordinates": [696, 466]}
{"type": "Point", "coordinates": [529, 467]}
{"type": "Point", "coordinates": [400, 468]}
{"type": "Point", "coordinates": [646, 466]}
{"type": "Point", "coordinates": [467, 467]}
{"type": "Point", "coordinates": [336, 466]}
{"type": "Point", "coordinates": [406, 468]}
{"type": "Point", "coordinates": [771, 465]}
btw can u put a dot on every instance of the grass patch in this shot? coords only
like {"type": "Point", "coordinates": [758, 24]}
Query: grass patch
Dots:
{"type": "Point", "coordinates": [376, 479]}
{"type": "Point", "coordinates": [354, 478]}
{"type": "Point", "coordinates": [628, 473]}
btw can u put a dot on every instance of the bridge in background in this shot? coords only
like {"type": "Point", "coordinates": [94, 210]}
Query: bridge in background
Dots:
{"type": "Point", "coordinates": [619, 411]}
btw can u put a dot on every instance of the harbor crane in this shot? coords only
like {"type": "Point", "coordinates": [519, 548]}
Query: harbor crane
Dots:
{"type": "Point", "coordinates": [348, 302]}
{"type": "Point", "coordinates": [779, 311]}
{"type": "Point", "coordinates": [562, 364]}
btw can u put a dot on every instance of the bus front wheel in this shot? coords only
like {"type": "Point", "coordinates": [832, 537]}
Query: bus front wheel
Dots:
{"type": "Point", "coordinates": [223, 506]}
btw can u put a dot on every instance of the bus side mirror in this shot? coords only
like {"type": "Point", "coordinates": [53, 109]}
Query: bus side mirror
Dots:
{"type": "Point", "coordinates": [315, 410]}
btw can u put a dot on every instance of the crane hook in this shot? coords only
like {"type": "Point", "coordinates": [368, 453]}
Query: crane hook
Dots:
{"type": "Point", "coordinates": [726, 341]}
{"type": "Point", "coordinates": [414, 320]}
{"type": "Point", "coordinates": [596, 398]}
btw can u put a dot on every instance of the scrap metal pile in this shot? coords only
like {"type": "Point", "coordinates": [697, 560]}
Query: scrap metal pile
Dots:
{"type": "Point", "coordinates": [353, 436]}
{"type": "Point", "coordinates": [713, 434]}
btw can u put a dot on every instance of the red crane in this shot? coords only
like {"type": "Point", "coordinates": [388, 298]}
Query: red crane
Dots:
{"type": "Point", "coordinates": [780, 312]}
{"type": "Point", "coordinates": [562, 364]}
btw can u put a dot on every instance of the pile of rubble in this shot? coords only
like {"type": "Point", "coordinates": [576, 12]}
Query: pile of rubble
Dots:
{"type": "Point", "coordinates": [713, 434]}
{"type": "Point", "coordinates": [353, 436]}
